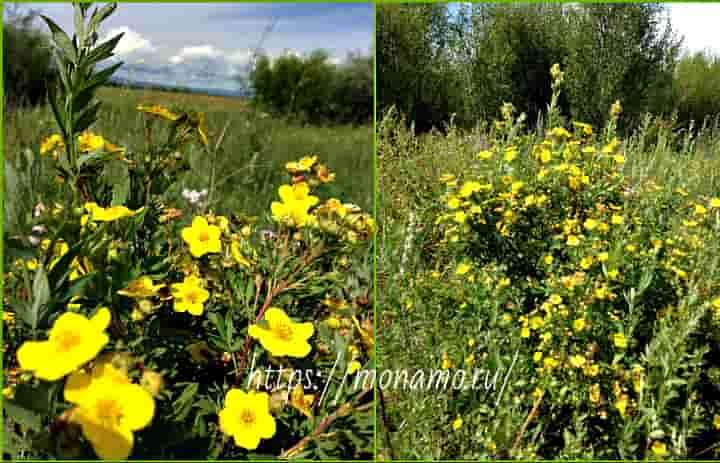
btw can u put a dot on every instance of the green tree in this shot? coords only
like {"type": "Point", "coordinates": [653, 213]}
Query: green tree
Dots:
{"type": "Point", "coordinates": [27, 68]}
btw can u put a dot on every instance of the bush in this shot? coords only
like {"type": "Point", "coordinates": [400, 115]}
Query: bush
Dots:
{"type": "Point", "coordinates": [314, 89]}
{"type": "Point", "coordinates": [589, 286]}
{"type": "Point", "coordinates": [134, 328]}
{"type": "Point", "coordinates": [27, 68]}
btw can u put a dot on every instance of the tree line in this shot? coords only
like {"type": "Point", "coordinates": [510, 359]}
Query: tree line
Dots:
{"type": "Point", "coordinates": [463, 61]}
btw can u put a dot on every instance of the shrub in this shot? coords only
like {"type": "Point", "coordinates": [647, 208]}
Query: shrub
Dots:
{"type": "Point", "coordinates": [133, 328]}
{"type": "Point", "coordinates": [592, 292]}
{"type": "Point", "coordinates": [314, 89]}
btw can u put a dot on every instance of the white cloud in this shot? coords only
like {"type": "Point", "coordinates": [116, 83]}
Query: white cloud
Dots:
{"type": "Point", "coordinates": [190, 53]}
{"type": "Point", "coordinates": [130, 42]}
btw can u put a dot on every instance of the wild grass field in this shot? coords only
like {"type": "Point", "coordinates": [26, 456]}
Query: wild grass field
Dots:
{"type": "Point", "coordinates": [253, 154]}
{"type": "Point", "coordinates": [579, 263]}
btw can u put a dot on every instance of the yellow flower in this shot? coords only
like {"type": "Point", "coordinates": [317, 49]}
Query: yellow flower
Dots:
{"type": "Point", "coordinates": [303, 165]}
{"type": "Point", "coordinates": [190, 296]}
{"type": "Point", "coordinates": [202, 237]}
{"type": "Point", "coordinates": [595, 393]}
{"type": "Point", "coordinates": [110, 214]}
{"type": "Point", "coordinates": [590, 224]}
{"type": "Point", "coordinates": [8, 392]}
{"type": "Point", "coordinates": [457, 423]}
{"type": "Point", "coordinates": [302, 402]}
{"type": "Point", "coordinates": [157, 110]}
{"type": "Point", "coordinates": [51, 144]}
{"type": "Point", "coordinates": [592, 370]}
{"type": "Point", "coordinates": [715, 203]}
{"type": "Point", "coordinates": [109, 408]}
{"type": "Point", "coordinates": [73, 341]}
{"type": "Point", "coordinates": [621, 405]}
{"type": "Point", "coordinates": [296, 202]}
{"type": "Point", "coordinates": [659, 449]}
{"type": "Point", "coordinates": [577, 361]}
{"type": "Point", "coordinates": [283, 337]}
{"type": "Point", "coordinates": [586, 262]}
{"type": "Point", "coordinates": [537, 322]}
{"type": "Point", "coordinates": [238, 256]}
{"type": "Point", "coordinates": [89, 141]}
{"type": "Point", "coordinates": [716, 422]}
{"type": "Point", "coordinates": [573, 240]}
{"type": "Point", "coordinates": [545, 156]}
{"type": "Point", "coordinates": [469, 188]}
{"type": "Point", "coordinates": [548, 259]}
{"type": "Point", "coordinates": [579, 324]}
{"type": "Point", "coordinates": [603, 257]}
{"type": "Point", "coordinates": [619, 340]}
{"type": "Point", "coordinates": [353, 367]}
{"type": "Point", "coordinates": [246, 417]}
{"type": "Point", "coordinates": [560, 132]}
{"type": "Point", "coordinates": [141, 288]}
{"type": "Point", "coordinates": [617, 219]}
{"type": "Point", "coordinates": [462, 269]}
{"type": "Point", "coordinates": [525, 332]}
{"type": "Point", "coordinates": [485, 155]}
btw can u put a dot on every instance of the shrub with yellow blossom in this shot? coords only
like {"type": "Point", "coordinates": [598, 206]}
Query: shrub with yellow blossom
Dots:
{"type": "Point", "coordinates": [137, 327]}
{"type": "Point", "coordinates": [594, 287]}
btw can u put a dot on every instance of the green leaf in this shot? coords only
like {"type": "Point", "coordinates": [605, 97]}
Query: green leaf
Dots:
{"type": "Point", "coordinates": [184, 403]}
{"type": "Point", "coordinates": [100, 15]}
{"type": "Point", "coordinates": [56, 112]}
{"type": "Point", "coordinates": [79, 23]}
{"type": "Point", "coordinates": [61, 39]}
{"type": "Point", "coordinates": [101, 77]}
{"type": "Point", "coordinates": [104, 50]}
{"type": "Point", "coordinates": [86, 118]}
{"type": "Point", "coordinates": [41, 295]}
{"type": "Point", "coordinates": [22, 415]}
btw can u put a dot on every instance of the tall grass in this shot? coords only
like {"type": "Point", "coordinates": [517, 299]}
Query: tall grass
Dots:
{"type": "Point", "coordinates": [250, 163]}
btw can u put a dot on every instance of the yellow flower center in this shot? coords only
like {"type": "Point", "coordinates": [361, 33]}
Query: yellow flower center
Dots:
{"type": "Point", "coordinates": [192, 296]}
{"type": "Point", "coordinates": [108, 410]}
{"type": "Point", "coordinates": [67, 340]}
{"type": "Point", "coordinates": [282, 330]}
{"type": "Point", "coordinates": [247, 417]}
{"type": "Point", "coordinates": [203, 236]}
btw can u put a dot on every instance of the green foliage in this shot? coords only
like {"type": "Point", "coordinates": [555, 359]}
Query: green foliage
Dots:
{"type": "Point", "coordinates": [313, 89]}
{"type": "Point", "coordinates": [27, 60]}
{"type": "Point", "coordinates": [469, 219]}
{"type": "Point", "coordinates": [697, 86]}
{"type": "Point", "coordinates": [438, 64]}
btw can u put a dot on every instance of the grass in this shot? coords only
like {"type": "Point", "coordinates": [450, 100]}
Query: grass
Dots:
{"type": "Point", "coordinates": [253, 153]}
{"type": "Point", "coordinates": [422, 318]}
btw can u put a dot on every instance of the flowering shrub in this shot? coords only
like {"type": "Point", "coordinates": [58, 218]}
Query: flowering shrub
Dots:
{"type": "Point", "coordinates": [598, 293]}
{"type": "Point", "coordinates": [136, 329]}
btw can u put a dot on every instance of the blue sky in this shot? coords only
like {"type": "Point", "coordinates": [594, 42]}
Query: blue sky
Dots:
{"type": "Point", "coordinates": [205, 44]}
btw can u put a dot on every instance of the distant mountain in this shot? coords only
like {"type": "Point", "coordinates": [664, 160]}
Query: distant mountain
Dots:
{"type": "Point", "coordinates": [191, 88]}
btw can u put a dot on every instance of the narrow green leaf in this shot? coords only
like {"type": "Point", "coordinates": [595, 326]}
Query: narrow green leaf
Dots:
{"type": "Point", "coordinates": [104, 50]}
{"type": "Point", "coordinates": [52, 98]}
{"type": "Point", "coordinates": [87, 117]}
{"type": "Point", "coordinates": [61, 39]}
{"type": "Point", "coordinates": [41, 295]}
{"type": "Point", "coordinates": [79, 23]}
{"type": "Point", "coordinates": [100, 15]}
